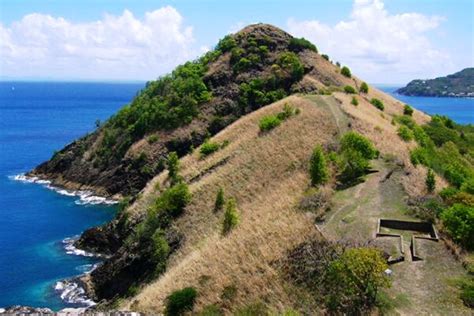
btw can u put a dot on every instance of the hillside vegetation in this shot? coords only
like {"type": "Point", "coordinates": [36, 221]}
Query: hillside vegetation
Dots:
{"type": "Point", "coordinates": [252, 180]}
{"type": "Point", "coordinates": [459, 84]}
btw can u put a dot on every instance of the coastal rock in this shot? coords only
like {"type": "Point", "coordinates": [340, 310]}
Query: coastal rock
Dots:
{"type": "Point", "coordinates": [25, 310]}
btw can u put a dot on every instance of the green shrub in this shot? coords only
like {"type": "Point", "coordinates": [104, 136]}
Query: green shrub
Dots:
{"type": "Point", "coordinates": [208, 148]}
{"type": "Point", "coordinates": [407, 110]}
{"type": "Point", "coordinates": [354, 101]}
{"type": "Point", "coordinates": [254, 309]}
{"type": "Point", "coordinates": [405, 133]}
{"type": "Point", "coordinates": [300, 44]}
{"type": "Point", "coordinates": [291, 63]}
{"type": "Point", "coordinates": [152, 139]}
{"type": "Point", "coordinates": [231, 217]}
{"type": "Point", "coordinates": [269, 122]}
{"type": "Point", "coordinates": [459, 222]}
{"type": "Point", "coordinates": [242, 65]}
{"type": "Point", "coordinates": [325, 57]}
{"type": "Point", "coordinates": [345, 71]}
{"type": "Point", "coordinates": [467, 291]}
{"type": "Point", "coordinates": [468, 186]}
{"type": "Point", "coordinates": [180, 302]}
{"type": "Point", "coordinates": [419, 156]}
{"type": "Point", "coordinates": [288, 111]}
{"type": "Point", "coordinates": [377, 103]}
{"type": "Point", "coordinates": [226, 44]}
{"type": "Point", "coordinates": [161, 250]}
{"type": "Point", "coordinates": [430, 181]}
{"type": "Point", "coordinates": [357, 142]}
{"type": "Point", "coordinates": [364, 87]}
{"type": "Point", "coordinates": [355, 166]}
{"type": "Point", "coordinates": [173, 201]}
{"type": "Point", "coordinates": [318, 168]}
{"type": "Point", "coordinates": [173, 167]}
{"type": "Point", "coordinates": [354, 280]}
{"type": "Point", "coordinates": [220, 200]}
{"type": "Point", "coordinates": [349, 90]}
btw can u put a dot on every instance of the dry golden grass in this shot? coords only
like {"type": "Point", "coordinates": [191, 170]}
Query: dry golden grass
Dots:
{"type": "Point", "coordinates": [267, 174]}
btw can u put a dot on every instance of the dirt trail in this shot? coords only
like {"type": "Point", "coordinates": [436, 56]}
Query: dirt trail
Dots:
{"type": "Point", "coordinates": [419, 288]}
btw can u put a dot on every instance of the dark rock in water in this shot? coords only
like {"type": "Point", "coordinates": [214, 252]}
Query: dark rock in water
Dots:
{"type": "Point", "coordinates": [25, 310]}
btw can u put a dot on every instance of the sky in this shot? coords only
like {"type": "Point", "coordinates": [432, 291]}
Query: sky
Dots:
{"type": "Point", "coordinates": [382, 41]}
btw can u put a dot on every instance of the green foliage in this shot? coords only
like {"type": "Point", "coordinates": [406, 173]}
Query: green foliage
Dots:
{"type": "Point", "coordinates": [300, 44]}
{"type": "Point", "coordinates": [254, 309]}
{"type": "Point", "coordinates": [123, 204]}
{"type": "Point", "coordinates": [173, 201]}
{"type": "Point", "coordinates": [226, 44]}
{"type": "Point", "coordinates": [364, 87]}
{"type": "Point", "coordinates": [220, 200]}
{"type": "Point", "coordinates": [231, 217]}
{"type": "Point", "coordinates": [468, 186]}
{"type": "Point", "coordinates": [318, 168]}
{"type": "Point", "coordinates": [466, 285]}
{"type": "Point", "coordinates": [349, 89]}
{"type": "Point", "coordinates": [152, 139]}
{"type": "Point", "coordinates": [430, 181]}
{"type": "Point", "coordinates": [172, 164]}
{"type": "Point", "coordinates": [354, 101]}
{"type": "Point", "coordinates": [208, 148]}
{"type": "Point", "coordinates": [405, 133]}
{"type": "Point", "coordinates": [325, 57]}
{"type": "Point", "coordinates": [269, 122]}
{"type": "Point", "coordinates": [357, 142]}
{"type": "Point", "coordinates": [459, 221]}
{"type": "Point", "coordinates": [180, 302]}
{"type": "Point", "coordinates": [354, 280]}
{"type": "Point", "coordinates": [161, 250]}
{"type": "Point", "coordinates": [291, 63]}
{"type": "Point", "coordinates": [407, 110]}
{"type": "Point", "coordinates": [377, 103]}
{"type": "Point", "coordinates": [345, 71]}
{"type": "Point", "coordinates": [259, 92]}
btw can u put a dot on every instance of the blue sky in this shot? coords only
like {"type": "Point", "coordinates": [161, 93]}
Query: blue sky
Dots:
{"type": "Point", "coordinates": [391, 41]}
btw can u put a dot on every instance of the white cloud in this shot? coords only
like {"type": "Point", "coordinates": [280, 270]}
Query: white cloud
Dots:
{"type": "Point", "coordinates": [379, 46]}
{"type": "Point", "coordinates": [115, 47]}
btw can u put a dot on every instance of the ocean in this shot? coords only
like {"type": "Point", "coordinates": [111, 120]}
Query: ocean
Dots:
{"type": "Point", "coordinates": [37, 118]}
{"type": "Point", "coordinates": [461, 110]}
{"type": "Point", "coordinates": [37, 222]}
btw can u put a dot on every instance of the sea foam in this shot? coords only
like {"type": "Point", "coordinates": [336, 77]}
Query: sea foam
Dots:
{"type": "Point", "coordinates": [85, 197]}
{"type": "Point", "coordinates": [72, 293]}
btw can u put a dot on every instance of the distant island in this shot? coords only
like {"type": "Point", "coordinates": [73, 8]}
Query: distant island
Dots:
{"type": "Point", "coordinates": [460, 84]}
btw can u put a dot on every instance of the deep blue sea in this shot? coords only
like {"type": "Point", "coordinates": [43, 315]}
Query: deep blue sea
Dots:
{"type": "Point", "coordinates": [35, 120]}
{"type": "Point", "coordinates": [461, 110]}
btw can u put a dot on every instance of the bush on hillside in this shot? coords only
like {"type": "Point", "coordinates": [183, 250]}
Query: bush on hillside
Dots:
{"type": "Point", "coordinates": [353, 281]}
{"type": "Point", "coordinates": [377, 103]}
{"type": "Point", "coordinates": [458, 220]}
{"type": "Point", "coordinates": [325, 57]}
{"type": "Point", "coordinates": [180, 302]}
{"type": "Point", "coordinates": [291, 63]}
{"type": "Point", "coordinates": [349, 89]}
{"type": "Point", "coordinates": [345, 71]}
{"type": "Point", "coordinates": [299, 44]}
{"type": "Point", "coordinates": [430, 181]}
{"type": "Point", "coordinates": [172, 164]}
{"type": "Point", "coordinates": [231, 217]}
{"type": "Point", "coordinates": [364, 87]}
{"type": "Point", "coordinates": [354, 101]}
{"type": "Point", "coordinates": [269, 122]}
{"type": "Point", "coordinates": [407, 110]}
{"type": "Point", "coordinates": [209, 147]}
{"type": "Point", "coordinates": [161, 250]}
{"type": "Point", "coordinates": [318, 168]}
{"type": "Point", "coordinates": [357, 142]}
{"type": "Point", "coordinates": [468, 186]}
{"type": "Point", "coordinates": [405, 133]}
{"type": "Point", "coordinates": [220, 200]}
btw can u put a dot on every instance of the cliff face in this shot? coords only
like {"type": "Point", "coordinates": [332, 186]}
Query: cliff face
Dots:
{"type": "Point", "coordinates": [460, 84]}
{"type": "Point", "coordinates": [248, 70]}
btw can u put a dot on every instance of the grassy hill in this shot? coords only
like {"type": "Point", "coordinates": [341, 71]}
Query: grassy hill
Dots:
{"type": "Point", "coordinates": [251, 183]}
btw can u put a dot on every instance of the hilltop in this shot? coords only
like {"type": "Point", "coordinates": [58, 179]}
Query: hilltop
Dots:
{"type": "Point", "coordinates": [459, 84]}
{"type": "Point", "coordinates": [248, 176]}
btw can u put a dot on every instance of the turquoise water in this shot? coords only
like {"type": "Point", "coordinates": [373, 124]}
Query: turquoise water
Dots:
{"type": "Point", "coordinates": [35, 120]}
{"type": "Point", "coordinates": [461, 110]}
